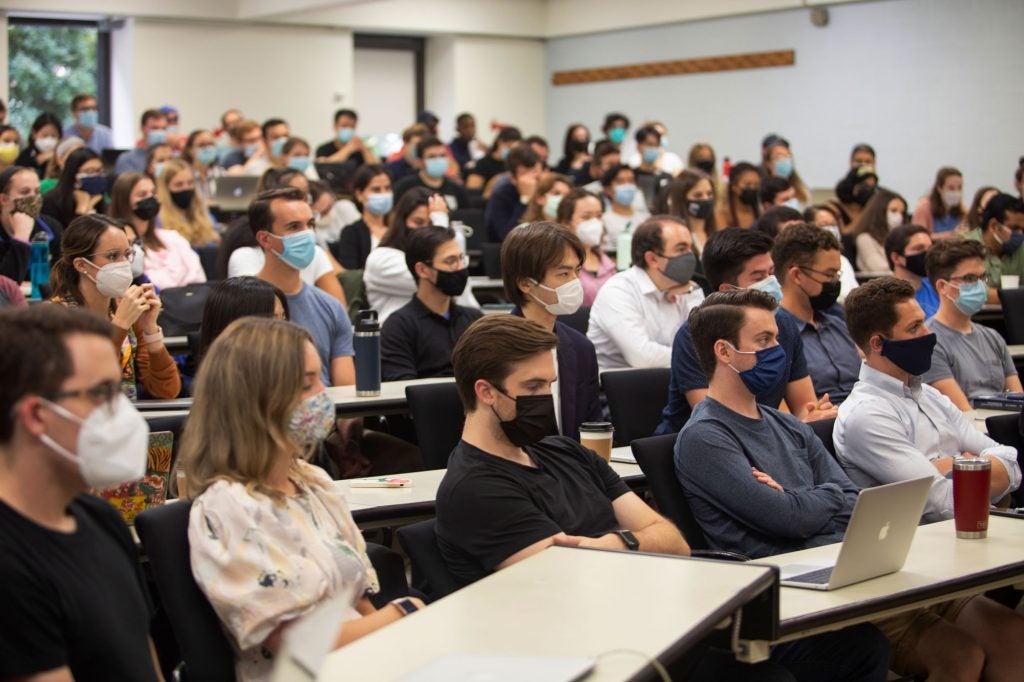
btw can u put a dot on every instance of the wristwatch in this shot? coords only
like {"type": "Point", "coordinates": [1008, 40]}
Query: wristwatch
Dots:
{"type": "Point", "coordinates": [405, 605]}
{"type": "Point", "coordinates": [627, 537]}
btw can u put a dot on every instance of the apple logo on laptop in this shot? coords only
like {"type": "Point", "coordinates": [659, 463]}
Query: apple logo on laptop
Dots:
{"type": "Point", "coordinates": [883, 532]}
{"type": "Point", "coordinates": [237, 192]}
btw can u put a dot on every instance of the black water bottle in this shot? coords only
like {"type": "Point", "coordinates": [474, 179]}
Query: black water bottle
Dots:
{"type": "Point", "coordinates": [367, 347]}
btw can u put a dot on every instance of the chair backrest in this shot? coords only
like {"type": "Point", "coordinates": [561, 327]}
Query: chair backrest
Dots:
{"type": "Point", "coordinates": [636, 398]}
{"type": "Point", "coordinates": [208, 259]}
{"type": "Point", "coordinates": [474, 218]}
{"type": "Point", "coordinates": [1006, 430]}
{"type": "Point", "coordinates": [823, 430]}
{"type": "Point", "coordinates": [655, 455]}
{"type": "Point", "coordinates": [438, 418]}
{"type": "Point", "coordinates": [430, 574]}
{"type": "Point", "coordinates": [491, 256]}
{"type": "Point", "coordinates": [205, 649]}
{"type": "Point", "coordinates": [1013, 314]}
{"type": "Point", "coordinates": [579, 320]}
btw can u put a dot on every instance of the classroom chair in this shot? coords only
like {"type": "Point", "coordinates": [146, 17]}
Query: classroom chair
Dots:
{"type": "Point", "coordinates": [823, 430]}
{"type": "Point", "coordinates": [491, 257]}
{"type": "Point", "coordinates": [205, 651]}
{"type": "Point", "coordinates": [438, 417]}
{"type": "Point", "coordinates": [430, 575]}
{"type": "Point", "coordinates": [579, 320]}
{"type": "Point", "coordinates": [1005, 430]}
{"type": "Point", "coordinates": [656, 456]}
{"type": "Point", "coordinates": [1012, 301]}
{"type": "Point", "coordinates": [636, 398]}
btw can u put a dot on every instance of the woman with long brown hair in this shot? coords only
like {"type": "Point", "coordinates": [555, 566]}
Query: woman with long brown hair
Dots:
{"type": "Point", "coordinates": [691, 198]}
{"type": "Point", "coordinates": [182, 209]}
{"type": "Point", "coordinates": [742, 204]}
{"type": "Point", "coordinates": [550, 191]}
{"type": "Point", "coordinates": [884, 212]}
{"type": "Point", "coordinates": [943, 209]}
{"type": "Point", "coordinates": [94, 272]}
{"type": "Point", "coordinates": [270, 535]}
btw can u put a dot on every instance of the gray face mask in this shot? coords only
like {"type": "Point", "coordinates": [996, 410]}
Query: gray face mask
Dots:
{"type": "Point", "coordinates": [680, 268]}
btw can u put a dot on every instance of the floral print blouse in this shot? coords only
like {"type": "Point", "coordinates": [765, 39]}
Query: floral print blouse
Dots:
{"type": "Point", "coordinates": [261, 562]}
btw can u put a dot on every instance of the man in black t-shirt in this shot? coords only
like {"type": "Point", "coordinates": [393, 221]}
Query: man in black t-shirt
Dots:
{"type": "Point", "coordinates": [74, 605]}
{"type": "Point", "coordinates": [346, 146]}
{"type": "Point", "coordinates": [432, 163]}
{"type": "Point", "coordinates": [512, 488]}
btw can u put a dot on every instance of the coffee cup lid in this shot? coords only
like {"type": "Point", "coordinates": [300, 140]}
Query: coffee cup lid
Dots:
{"type": "Point", "coordinates": [596, 426]}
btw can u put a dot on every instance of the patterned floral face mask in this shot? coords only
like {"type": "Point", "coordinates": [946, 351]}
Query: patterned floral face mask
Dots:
{"type": "Point", "coordinates": [312, 420]}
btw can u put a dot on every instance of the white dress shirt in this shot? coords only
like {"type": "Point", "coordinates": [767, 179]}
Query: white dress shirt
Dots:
{"type": "Point", "coordinates": [887, 432]}
{"type": "Point", "coordinates": [632, 324]}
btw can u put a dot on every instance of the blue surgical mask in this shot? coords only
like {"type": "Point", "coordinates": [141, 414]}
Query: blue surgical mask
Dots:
{"type": "Point", "coordinates": [299, 163]}
{"type": "Point", "coordinates": [345, 134]}
{"type": "Point", "coordinates": [913, 356]}
{"type": "Point", "coordinates": [651, 155]}
{"type": "Point", "coordinates": [769, 285]}
{"type": "Point", "coordinates": [783, 167]}
{"type": "Point", "coordinates": [1011, 245]}
{"type": "Point", "coordinates": [158, 168]}
{"type": "Point", "coordinates": [624, 194]}
{"type": "Point", "coordinates": [380, 204]}
{"type": "Point", "coordinates": [156, 137]}
{"type": "Point", "coordinates": [299, 249]}
{"type": "Point", "coordinates": [504, 152]}
{"type": "Point", "coordinates": [89, 118]}
{"type": "Point", "coordinates": [277, 146]}
{"type": "Point", "coordinates": [551, 204]}
{"type": "Point", "coordinates": [251, 149]}
{"type": "Point", "coordinates": [972, 297]}
{"type": "Point", "coordinates": [766, 372]}
{"type": "Point", "coordinates": [617, 134]}
{"type": "Point", "coordinates": [436, 167]}
{"type": "Point", "coordinates": [206, 155]}
{"type": "Point", "coordinates": [793, 203]}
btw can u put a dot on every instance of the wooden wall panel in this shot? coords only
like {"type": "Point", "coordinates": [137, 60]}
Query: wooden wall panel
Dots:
{"type": "Point", "coordinates": [677, 67]}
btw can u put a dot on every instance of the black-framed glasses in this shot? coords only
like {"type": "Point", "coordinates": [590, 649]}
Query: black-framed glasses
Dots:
{"type": "Point", "coordinates": [451, 262]}
{"type": "Point", "coordinates": [116, 256]}
{"type": "Point", "coordinates": [102, 394]}
{"type": "Point", "coordinates": [967, 279]}
{"type": "Point", "coordinates": [831, 276]}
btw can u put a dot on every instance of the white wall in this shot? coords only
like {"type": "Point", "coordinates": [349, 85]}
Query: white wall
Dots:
{"type": "Point", "coordinates": [927, 82]}
{"type": "Point", "coordinates": [301, 74]}
{"type": "Point", "coordinates": [385, 90]}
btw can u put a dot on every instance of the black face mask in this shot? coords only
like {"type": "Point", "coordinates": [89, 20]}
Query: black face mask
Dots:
{"type": "Point", "coordinates": [700, 209]}
{"type": "Point", "coordinates": [183, 199]}
{"type": "Point", "coordinates": [578, 147]}
{"type": "Point", "coordinates": [706, 165]}
{"type": "Point", "coordinates": [915, 264]}
{"type": "Point", "coordinates": [828, 296]}
{"type": "Point", "coordinates": [534, 420]}
{"type": "Point", "coordinates": [147, 208]}
{"type": "Point", "coordinates": [748, 196]}
{"type": "Point", "coordinates": [863, 193]}
{"type": "Point", "coordinates": [452, 283]}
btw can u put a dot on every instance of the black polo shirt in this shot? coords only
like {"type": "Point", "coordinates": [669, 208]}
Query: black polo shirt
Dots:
{"type": "Point", "coordinates": [454, 195]}
{"type": "Point", "coordinates": [417, 343]}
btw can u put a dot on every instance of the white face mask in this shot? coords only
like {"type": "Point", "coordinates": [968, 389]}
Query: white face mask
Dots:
{"type": "Point", "coordinates": [112, 443]}
{"type": "Point", "coordinates": [113, 279]}
{"type": "Point", "coordinates": [570, 297]}
{"type": "Point", "coordinates": [834, 231]}
{"type": "Point", "coordinates": [952, 199]}
{"type": "Point", "coordinates": [45, 144]}
{"type": "Point", "coordinates": [590, 232]}
{"type": "Point", "coordinates": [894, 218]}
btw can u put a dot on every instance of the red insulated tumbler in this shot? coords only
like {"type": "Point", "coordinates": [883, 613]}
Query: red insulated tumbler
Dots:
{"type": "Point", "coordinates": [971, 481]}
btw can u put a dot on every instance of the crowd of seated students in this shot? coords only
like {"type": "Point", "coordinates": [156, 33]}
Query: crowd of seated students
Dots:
{"type": "Point", "coordinates": [736, 285]}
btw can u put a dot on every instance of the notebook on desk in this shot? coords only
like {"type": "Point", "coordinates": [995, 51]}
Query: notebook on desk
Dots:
{"type": "Point", "coordinates": [475, 668]}
{"type": "Point", "coordinates": [876, 542]}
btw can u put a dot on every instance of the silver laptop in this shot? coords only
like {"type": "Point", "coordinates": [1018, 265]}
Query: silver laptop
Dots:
{"type": "Point", "coordinates": [876, 542]}
{"type": "Point", "coordinates": [473, 668]}
{"type": "Point", "coordinates": [235, 192]}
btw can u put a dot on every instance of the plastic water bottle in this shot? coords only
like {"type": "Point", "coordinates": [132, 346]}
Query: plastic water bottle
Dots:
{"type": "Point", "coordinates": [624, 248]}
{"type": "Point", "coordinates": [366, 342]}
{"type": "Point", "coordinates": [39, 265]}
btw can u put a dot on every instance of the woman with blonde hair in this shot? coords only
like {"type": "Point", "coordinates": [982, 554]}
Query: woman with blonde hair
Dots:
{"type": "Point", "coordinates": [169, 261]}
{"type": "Point", "coordinates": [270, 535]}
{"type": "Point", "coordinates": [181, 207]}
{"type": "Point", "coordinates": [94, 271]}
{"type": "Point", "coordinates": [550, 190]}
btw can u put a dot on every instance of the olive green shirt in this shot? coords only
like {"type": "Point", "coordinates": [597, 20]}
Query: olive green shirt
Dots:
{"type": "Point", "coordinates": [997, 266]}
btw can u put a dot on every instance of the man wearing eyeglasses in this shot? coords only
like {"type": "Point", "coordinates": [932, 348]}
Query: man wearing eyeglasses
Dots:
{"type": "Point", "coordinates": [417, 340]}
{"type": "Point", "coordinates": [969, 359]}
{"type": "Point", "coordinates": [74, 599]}
{"type": "Point", "coordinates": [808, 267]}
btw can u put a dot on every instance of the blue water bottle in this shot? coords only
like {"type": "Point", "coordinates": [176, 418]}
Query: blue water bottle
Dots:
{"type": "Point", "coordinates": [367, 347]}
{"type": "Point", "coordinates": [39, 265]}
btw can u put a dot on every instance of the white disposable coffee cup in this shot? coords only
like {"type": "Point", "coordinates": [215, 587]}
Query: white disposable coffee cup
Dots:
{"type": "Point", "coordinates": [1009, 281]}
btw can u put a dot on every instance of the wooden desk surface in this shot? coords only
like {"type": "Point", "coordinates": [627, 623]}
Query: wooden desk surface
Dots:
{"type": "Point", "coordinates": [939, 567]}
{"type": "Point", "coordinates": [564, 602]}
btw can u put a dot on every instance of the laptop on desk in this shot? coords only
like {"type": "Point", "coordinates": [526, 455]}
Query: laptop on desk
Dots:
{"type": "Point", "coordinates": [235, 192]}
{"type": "Point", "coordinates": [876, 542]}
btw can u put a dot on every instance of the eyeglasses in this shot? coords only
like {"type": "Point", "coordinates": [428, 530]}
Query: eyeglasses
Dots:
{"type": "Point", "coordinates": [457, 262]}
{"type": "Point", "coordinates": [117, 256]}
{"type": "Point", "coordinates": [89, 174]}
{"type": "Point", "coordinates": [831, 276]}
{"type": "Point", "coordinates": [102, 394]}
{"type": "Point", "coordinates": [967, 279]}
